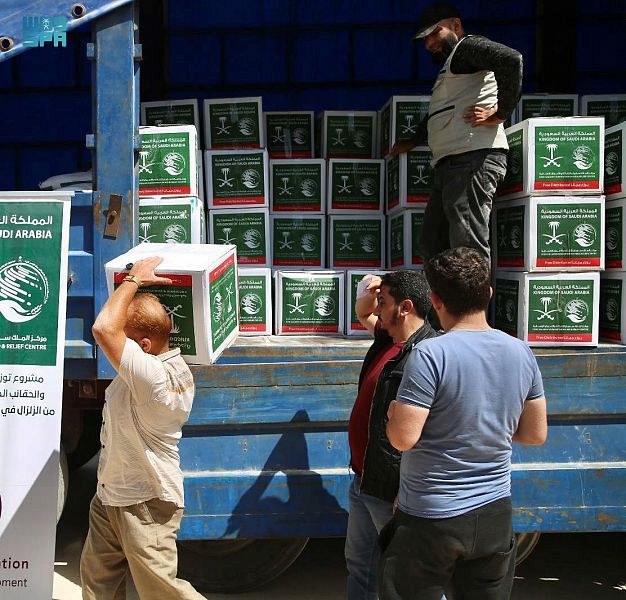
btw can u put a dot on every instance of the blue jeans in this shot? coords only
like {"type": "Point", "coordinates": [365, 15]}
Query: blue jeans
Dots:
{"type": "Point", "coordinates": [367, 516]}
{"type": "Point", "coordinates": [458, 209]}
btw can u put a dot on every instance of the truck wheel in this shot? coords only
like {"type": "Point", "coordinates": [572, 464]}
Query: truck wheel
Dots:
{"type": "Point", "coordinates": [526, 543]}
{"type": "Point", "coordinates": [236, 565]}
{"type": "Point", "coordinates": [63, 482]}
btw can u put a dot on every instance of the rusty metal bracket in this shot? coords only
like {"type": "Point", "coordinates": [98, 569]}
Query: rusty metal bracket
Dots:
{"type": "Point", "coordinates": [113, 214]}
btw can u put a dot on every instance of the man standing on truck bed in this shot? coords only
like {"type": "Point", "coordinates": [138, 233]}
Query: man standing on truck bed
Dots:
{"type": "Point", "coordinates": [138, 506]}
{"type": "Point", "coordinates": [477, 88]}
{"type": "Point", "coordinates": [464, 398]}
{"type": "Point", "coordinates": [393, 309]}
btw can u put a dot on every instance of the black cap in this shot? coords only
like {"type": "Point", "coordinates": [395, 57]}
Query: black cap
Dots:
{"type": "Point", "coordinates": [432, 14]}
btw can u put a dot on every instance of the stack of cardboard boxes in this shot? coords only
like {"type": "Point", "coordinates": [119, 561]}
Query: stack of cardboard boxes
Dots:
{"type": "Point", "coordinates": [548, 232]}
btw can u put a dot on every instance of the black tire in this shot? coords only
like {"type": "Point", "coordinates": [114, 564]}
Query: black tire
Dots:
{"type": "Point", "coordinates": [64, 481]}
{"type": "Point", "coordinates": [236, 565]}
{"type": "Point", "coordinates": [89, 442]}
{"type": "Point", "coordinates": [526, 543]}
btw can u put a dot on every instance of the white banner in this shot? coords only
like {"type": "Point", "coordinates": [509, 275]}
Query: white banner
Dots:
{"type": "Point", "coordinates": [34, 239]}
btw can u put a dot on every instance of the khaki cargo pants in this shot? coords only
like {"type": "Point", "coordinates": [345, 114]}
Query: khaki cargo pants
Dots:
{"type": "Point", "coordinates": [142, 538]}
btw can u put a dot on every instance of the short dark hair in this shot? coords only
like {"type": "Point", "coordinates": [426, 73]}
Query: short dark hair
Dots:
{"type": "Point", "coordinates": [409, 285]}
{"type": "Point", "coordinates": [461, 277]}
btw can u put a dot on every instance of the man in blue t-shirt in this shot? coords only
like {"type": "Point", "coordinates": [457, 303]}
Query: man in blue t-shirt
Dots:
{"type": "Point", "coordinates": [464, 398]}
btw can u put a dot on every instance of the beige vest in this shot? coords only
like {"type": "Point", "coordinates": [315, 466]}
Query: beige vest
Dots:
{"type": "Point", "coordinates": [452, 94]}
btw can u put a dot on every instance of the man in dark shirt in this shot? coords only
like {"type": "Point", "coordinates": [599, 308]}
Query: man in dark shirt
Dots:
{"type": "Point", "coordinates": [477, 88]}
{"type": "Point", "coordinates": [392, 308]}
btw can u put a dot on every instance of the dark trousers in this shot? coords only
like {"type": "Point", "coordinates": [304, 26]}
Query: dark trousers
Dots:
{"type": "Point", "coordinates": [458, 210]}
{"type": "Point", "coordinates": [472, 554]}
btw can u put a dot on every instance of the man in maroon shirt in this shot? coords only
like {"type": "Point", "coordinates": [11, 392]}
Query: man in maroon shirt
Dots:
{"type": "Point", "coordinates": [393, 309]}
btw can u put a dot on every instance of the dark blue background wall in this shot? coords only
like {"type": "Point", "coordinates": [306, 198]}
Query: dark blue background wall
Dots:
{"type": "Point", "coordinates": [297, 54]}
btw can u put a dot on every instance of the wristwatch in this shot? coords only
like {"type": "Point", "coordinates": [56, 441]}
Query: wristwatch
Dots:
{"type": "Point", "coordinates": [134, 279]}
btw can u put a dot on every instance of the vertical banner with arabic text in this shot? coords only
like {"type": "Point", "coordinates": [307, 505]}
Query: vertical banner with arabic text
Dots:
{"type": "Point", "coordinates": [34, 238]}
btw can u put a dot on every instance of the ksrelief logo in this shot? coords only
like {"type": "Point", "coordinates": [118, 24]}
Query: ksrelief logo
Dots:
{"type": "Point", "coordinates": [516, 236]}
{"type": "Point", "coordinates": [611, 162]}
{"type": "Point", "coordinates": [299, 136]}
{"type": "Point", "coordinates": [611, 310]}
{"type": "Point", "coordinates": [246, 126]}
{"type": "Point", "coordinates": [308, 242]}
{"type": "Point", "coordinates": [368, 243]}
{"type": "Point", "coordinates": [584, 158]}
{"type": "Point", "coordinates": [173, 163]}
{"type": "Point", "coordinates": [360, 139]}
{"type": "Point", "coordinates": [576, 311]}
{"type": "Point", "coordinates": [174, 234]}
{"type": "Point", "coordinates": [251, 304]}
{"type": "Point", "coordinates": [308, 187]}
{"type": "Point", "coordinates": [612, 238]}
{"type": "Point", "coordinates": [252, 238]}
{"type": "Point", "coordinates": [509, 310]}
{"type": "Point", "coordinates": [23, 290]}
{"type": "Point", "coordinates": [250, 178]}
{"type": "Point", "coordinates": [585, 235]}
{"type": "Point", "coordinates": [324, 305]}
{"type": "Point", "coordinates": [367, 186]}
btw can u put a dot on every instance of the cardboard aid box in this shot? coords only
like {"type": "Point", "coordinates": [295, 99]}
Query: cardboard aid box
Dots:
{"type": "Point", "coordinates": [236, 178]}
{"type": "Point", "coordinates": [403, 239]}
{"type": "Point", "coordinates": [548, 309]}
{"type": "Point", "coordinates": [549, 233]}
{"type": "Point", "coordinates": [255, 301]}
{"type": "Point", "coordinates": [356, 241]}
{"type": "Point", "coordinates": [610, 106]}
{"type": "Point", "coordinates": [168, 161]}
{"type": "Point", "coordinates": [613, 307]}
{"type": "Point", "coordinates": [246, 228]}
{"type": "Point", "coordinates": [298, 241]}
{"type": "Point", "coordinates": [290, 134]}
{"type": "Point", "coordinates": [615, 162]}
{"type": "Point", "coordinates": [171, 220]}
{"type": "Point", "coordinates": [202, 302]}
{"type": "Point", "coordinates": [615, 234]}
{"type": "Point", "coordinates": [353, 277]}
{"type": "Point", "coordinates": [555, 156]}
{"type": "Point", "coordinates": [348, 134]}
{"type": "Point", "coordinates": [298, 185]}
{"type": "Point", "coordinates": [399, 119]}
{"type": "Point", "coordinates": [309, 302]}
{"type": "Point", "coordinates": [233, 123]}
{"type": "Point", "coordinates": [355, 186]}
{"type": "Point", "coordinates": [408, 179]}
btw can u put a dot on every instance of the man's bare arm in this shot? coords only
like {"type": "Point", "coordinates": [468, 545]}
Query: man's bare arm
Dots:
{"type": "Point", "coordinates": [405, 424]}
{"type": "Point", "coordinates": [532, 428]}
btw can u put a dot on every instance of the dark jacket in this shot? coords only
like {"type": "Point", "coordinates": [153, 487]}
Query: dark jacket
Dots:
{"type": "Point", "coordinates": [381, 467]}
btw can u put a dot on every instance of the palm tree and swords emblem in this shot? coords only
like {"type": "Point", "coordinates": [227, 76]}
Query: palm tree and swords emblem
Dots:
{"type": "Point", "coordinates": [552, 160]}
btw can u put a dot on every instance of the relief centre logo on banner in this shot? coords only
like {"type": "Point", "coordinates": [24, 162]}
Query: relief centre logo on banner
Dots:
{"type": "Point", "coordinates": [34, 238]}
